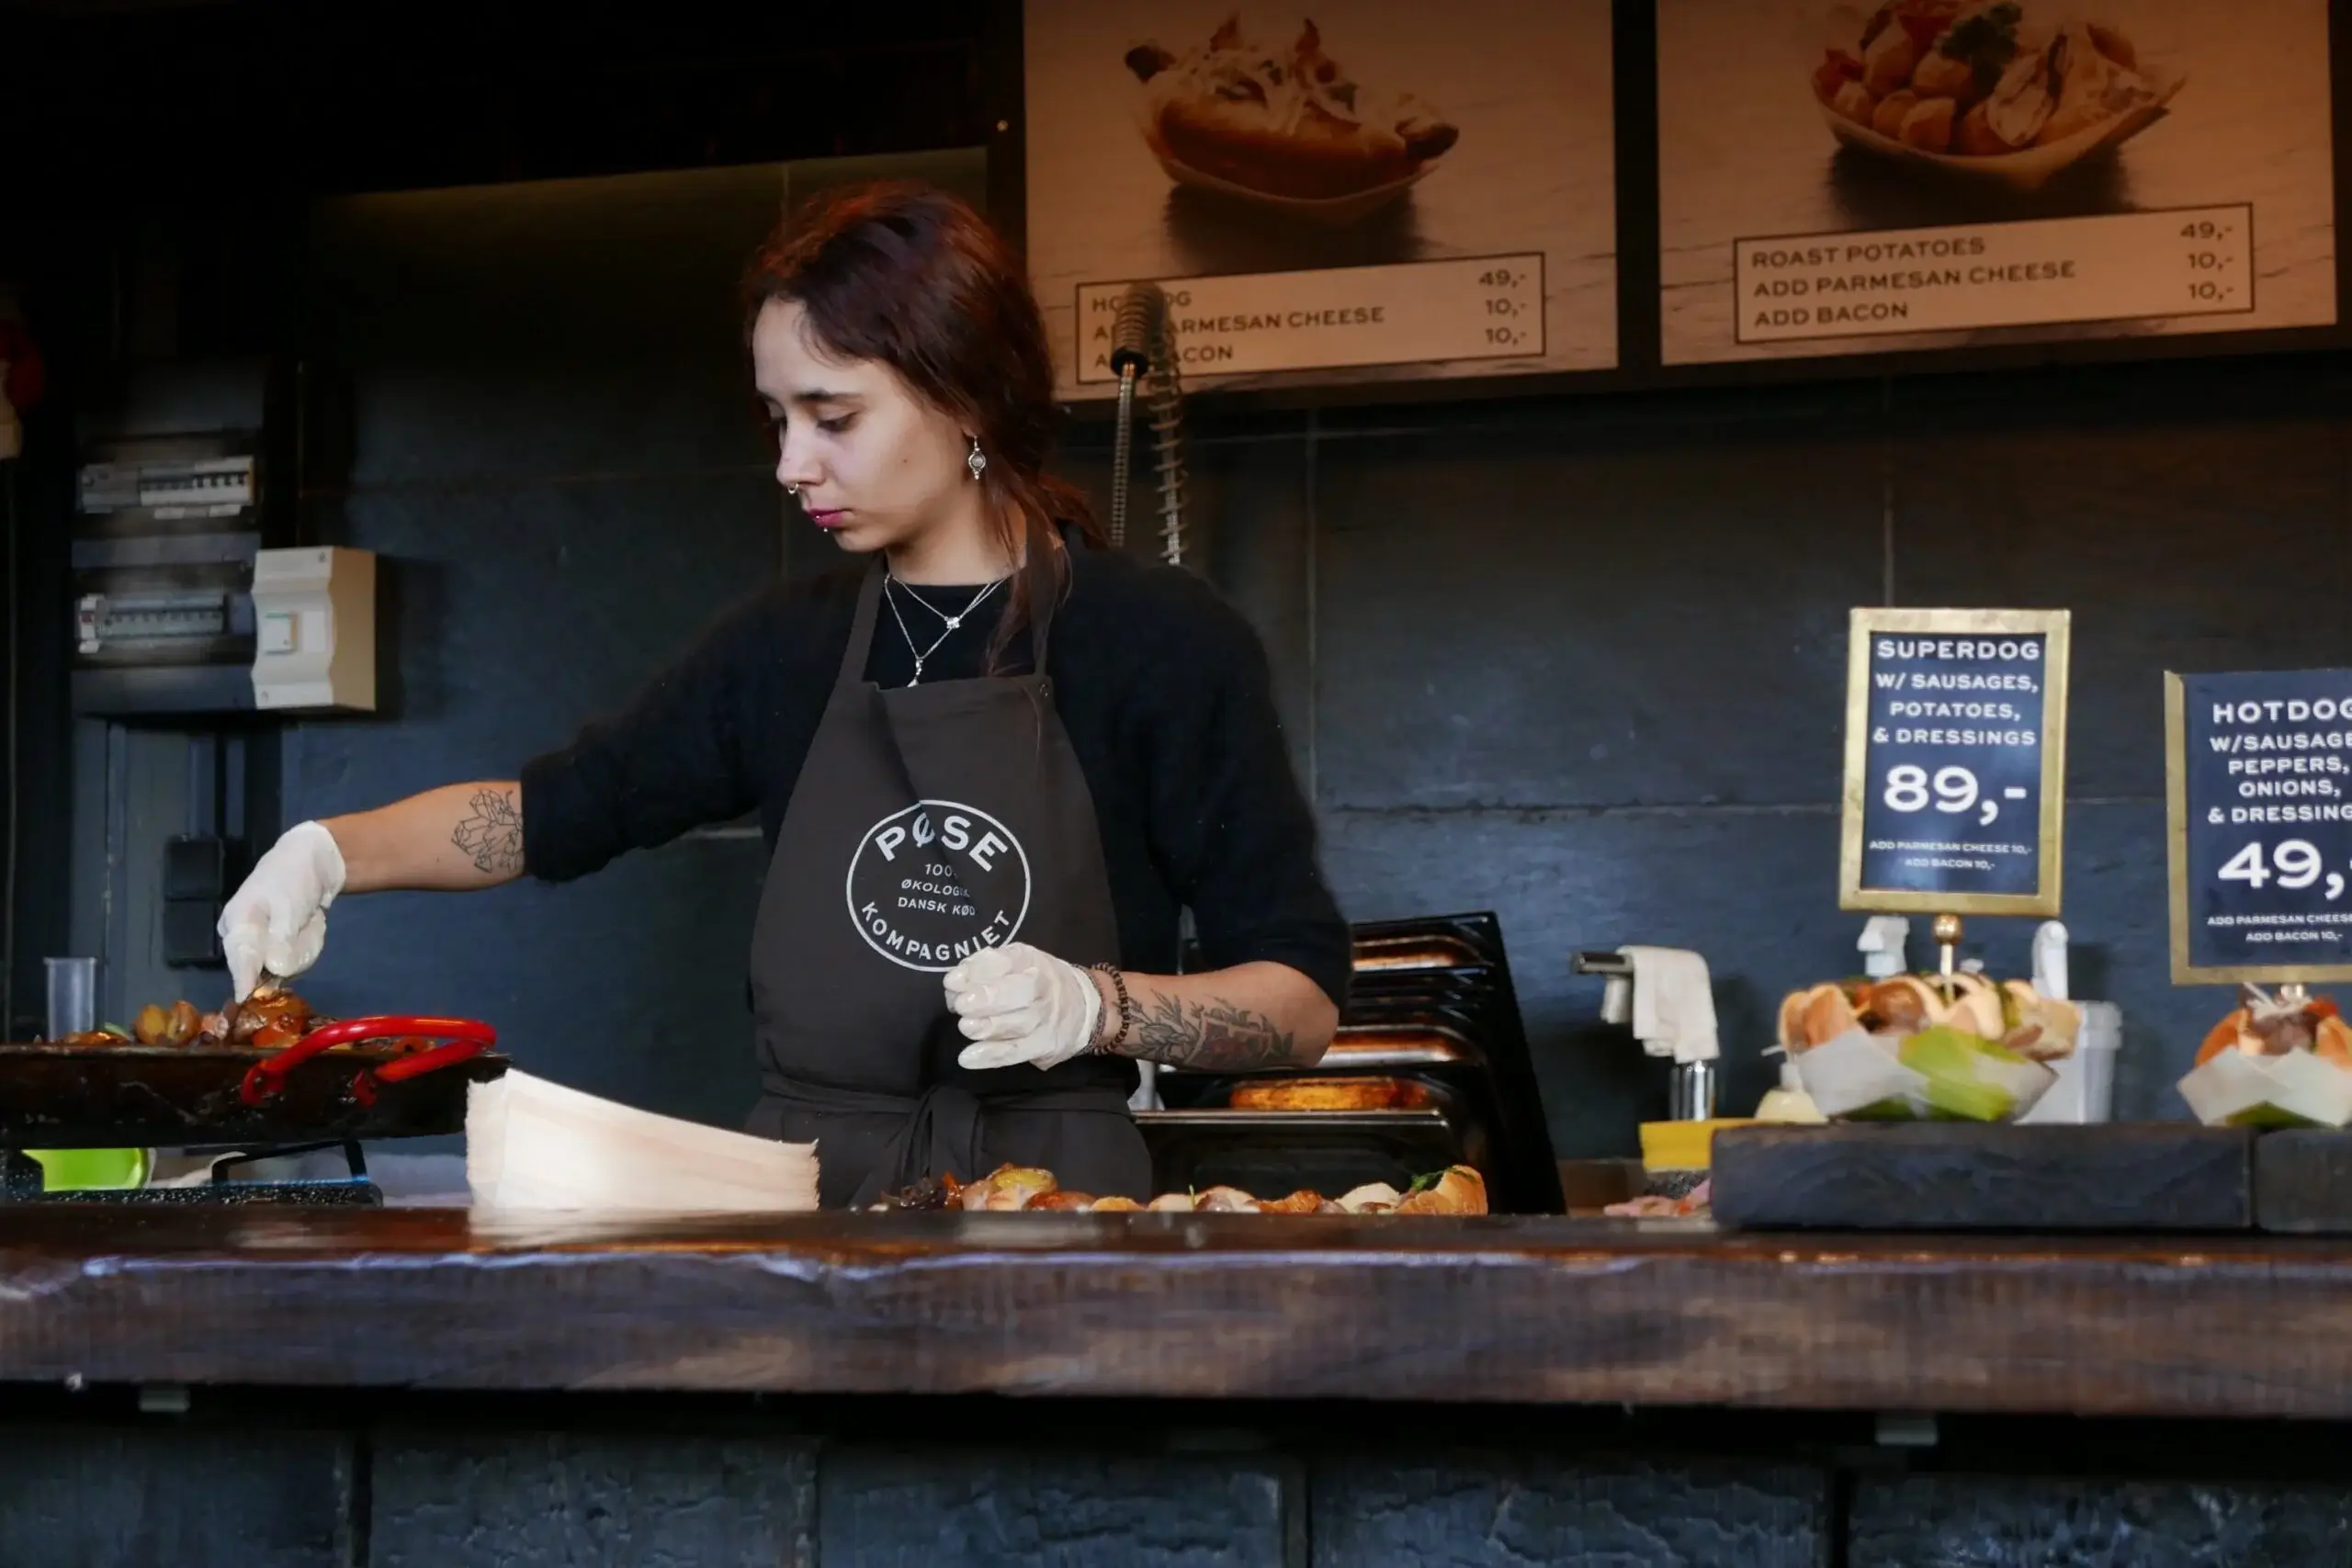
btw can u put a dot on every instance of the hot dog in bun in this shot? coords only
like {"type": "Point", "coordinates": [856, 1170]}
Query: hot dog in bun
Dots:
{"type": "Point", "coordinates": [2010, 1012]}
{"type": "Point", "coordinates": [1284, 123]}
{"type": "Point", "coordinates": [2269, 1025]}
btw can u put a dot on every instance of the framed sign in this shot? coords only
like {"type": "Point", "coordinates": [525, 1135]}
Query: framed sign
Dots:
{"type": "Point", "coordinates": [2258, 795]}
{"type": "Point", "coordinates": [1845, 178]}
{"type": "Point", "coordinates": [1955, 762]}
{"type": "Point", "coordinates": [1375, 191]}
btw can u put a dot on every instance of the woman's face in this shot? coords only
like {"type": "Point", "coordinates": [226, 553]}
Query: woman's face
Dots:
{"type": "Point", "coordinates": [876, 466]}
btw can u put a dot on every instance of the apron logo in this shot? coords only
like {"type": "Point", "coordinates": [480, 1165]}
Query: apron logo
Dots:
{"type": "Point", "coordinates": [930, 885]}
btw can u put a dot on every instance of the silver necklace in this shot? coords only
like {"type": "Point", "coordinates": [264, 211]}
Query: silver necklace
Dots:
{"type": "Point", "coordinates": [954, 621]}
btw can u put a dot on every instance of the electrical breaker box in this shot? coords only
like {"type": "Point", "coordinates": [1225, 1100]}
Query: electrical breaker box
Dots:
{"type": "Point", "coordinates": [314, 630]}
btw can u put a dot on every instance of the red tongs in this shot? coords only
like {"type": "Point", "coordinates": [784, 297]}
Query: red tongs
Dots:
{"type": "Point", "coordinates": [466, 1039]}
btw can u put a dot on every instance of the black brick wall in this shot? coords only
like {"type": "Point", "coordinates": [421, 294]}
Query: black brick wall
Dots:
{"type": "Point", "coordinates": [1975, 1522]}
{"type": "Point", "coordinates": [545, 1499]}
{"type": "Point", "coordinates": [401, 1481]}
{"type": "Point", "coordinates": [1498, 1510]}
{"type": "Point", "coordinates": [77, 1496]}
{"type": "Point", "coordinates": [918, 1506]}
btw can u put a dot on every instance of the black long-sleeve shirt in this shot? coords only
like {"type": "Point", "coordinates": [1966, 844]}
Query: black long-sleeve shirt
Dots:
{"type": "Point", "coordinates": [1162, 687]}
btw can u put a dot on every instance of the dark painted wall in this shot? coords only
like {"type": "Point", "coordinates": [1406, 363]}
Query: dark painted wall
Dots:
{"type": "Point", "coordinates": [1577, 660]}
{"type": "Point", "coordinates": [548, 445]}
{"type": "Point", "coordinates": [1582, 661]}
{"type": "Point", "coordinates": [178, 263]}
{"type": "Point", "coordinates": [1574, 659]}
{"type": "Point", "coordinates": [543, 425]}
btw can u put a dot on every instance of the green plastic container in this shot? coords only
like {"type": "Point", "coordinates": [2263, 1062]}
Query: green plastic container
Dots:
{"type": "Point", "coordinates": [93, 1170]}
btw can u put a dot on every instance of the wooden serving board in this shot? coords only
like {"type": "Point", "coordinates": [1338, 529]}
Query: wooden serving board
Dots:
{"type": "Point", "coordinates": [2302, 1181]}
{"type": "Point", "coordinates": [1951, 1176]}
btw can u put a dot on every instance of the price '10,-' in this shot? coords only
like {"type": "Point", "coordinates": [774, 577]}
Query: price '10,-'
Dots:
{"type": "Point", "coordinates": [2294, 865]}
{"type": "Point", "coordinates": [1953, 791]}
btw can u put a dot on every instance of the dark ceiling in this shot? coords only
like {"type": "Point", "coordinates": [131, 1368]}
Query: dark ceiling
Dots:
{"type": "Point", "coordinates": [161, 101]}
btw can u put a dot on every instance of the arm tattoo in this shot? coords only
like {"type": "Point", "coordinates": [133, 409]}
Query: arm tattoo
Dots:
{"type": "Point", "coordinates": [490, 833]}
{"type": "Point", "coordinates": [1211, 1037]}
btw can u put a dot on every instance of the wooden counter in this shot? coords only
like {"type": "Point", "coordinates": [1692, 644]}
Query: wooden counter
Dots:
{"type": "Point", "coordinates": [1501, 1309]}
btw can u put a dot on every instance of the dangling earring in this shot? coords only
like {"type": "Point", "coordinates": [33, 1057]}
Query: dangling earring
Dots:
{"type": "Point", "coordinates": [975, 460]}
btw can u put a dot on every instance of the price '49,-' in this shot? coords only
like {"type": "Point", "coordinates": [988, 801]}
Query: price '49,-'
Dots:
{"type": "Point", "coordinates": [2296, 864]}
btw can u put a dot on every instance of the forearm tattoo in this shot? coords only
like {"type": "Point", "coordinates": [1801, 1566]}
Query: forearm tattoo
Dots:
{"type": "Point", "coordinates": [490, 833]}
{"type": "Point", "coordinates": [1211, 1037]}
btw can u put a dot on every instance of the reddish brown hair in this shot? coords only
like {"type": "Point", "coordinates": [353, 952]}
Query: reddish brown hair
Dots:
{"type": "Point", "coordinates": [909, 274]}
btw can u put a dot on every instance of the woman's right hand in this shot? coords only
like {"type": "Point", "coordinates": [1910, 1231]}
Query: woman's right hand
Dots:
{"type": "Point", "coordinates": [277, 919]}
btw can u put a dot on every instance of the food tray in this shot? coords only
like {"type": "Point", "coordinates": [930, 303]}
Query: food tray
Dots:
{"type": "Point", "coordinates": [1431, 999]}
{"type": "Point", "coordinates": [1461, 1105]}
{"type": "Point", "coordinates": [59, 1097]}
{"type": "Point", "coordinates": [1413, 954]}
{"type": "Point", "coordinates": [1276, 1152]}
{"type": "Point", "coordinates": [1360, 1048]}
{"type": "Point", "coordinates": [1465, 939]}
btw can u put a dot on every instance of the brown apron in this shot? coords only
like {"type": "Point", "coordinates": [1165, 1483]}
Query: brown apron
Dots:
{"type": "Point", "coordinates": [927, 823]}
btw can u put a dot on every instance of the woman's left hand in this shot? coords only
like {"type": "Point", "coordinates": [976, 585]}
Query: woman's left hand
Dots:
{"type": "Point", "coordinates": [1020, 1004]}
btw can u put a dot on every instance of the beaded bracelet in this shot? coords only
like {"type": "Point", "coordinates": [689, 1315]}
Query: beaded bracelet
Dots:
{"type": "Point", "coordinates": [1109, 1046]}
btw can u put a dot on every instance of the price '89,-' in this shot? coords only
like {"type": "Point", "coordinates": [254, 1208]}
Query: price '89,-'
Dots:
{"type": "Point", "coordinates": [1953, 790]}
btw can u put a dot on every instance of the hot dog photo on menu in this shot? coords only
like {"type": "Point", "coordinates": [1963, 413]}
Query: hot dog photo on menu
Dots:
{"type": "Point", "coordinates": [1168, 139]}
{"type": "Point", "coordinates": [1282, 124]}
{"type": "Point", "coordinates": [1974, 143]}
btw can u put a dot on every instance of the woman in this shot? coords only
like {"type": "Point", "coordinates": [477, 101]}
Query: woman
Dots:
{"type": "Point", "coordinates": [993, 759]}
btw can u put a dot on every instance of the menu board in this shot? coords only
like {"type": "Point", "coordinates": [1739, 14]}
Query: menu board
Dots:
{"type": "Point", "coordinates": [1391, 191]}
{"type": "Point", "coordinates": [1955, 762]}
{"type": "Point", "coordinates": [1841, 179]}
{"type": "Point", "coordinates": [2259, 774]}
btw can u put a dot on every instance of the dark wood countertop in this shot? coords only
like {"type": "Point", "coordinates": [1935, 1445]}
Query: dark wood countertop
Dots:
{"type": "Point", "coordinates": [1227, 1306]}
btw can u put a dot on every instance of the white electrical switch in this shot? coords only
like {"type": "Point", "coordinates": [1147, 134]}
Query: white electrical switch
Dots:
{"type": "Point", "coordinates": [277, 633]}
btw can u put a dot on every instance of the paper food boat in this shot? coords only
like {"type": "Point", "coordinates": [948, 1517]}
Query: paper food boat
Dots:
{"type": "Point", "coordinates": [1854, 1072]}
{"type": "Point", "coordinates": [535, 1146]}
{"type": "Point", "coordinates": [2296, 1090]}
{"type": "Point", "coordinates": [1859, 1076]}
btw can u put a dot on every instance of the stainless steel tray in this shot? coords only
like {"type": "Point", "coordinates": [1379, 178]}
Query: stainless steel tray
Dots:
{"type": "Point", "coordinates": [1363, 1048]}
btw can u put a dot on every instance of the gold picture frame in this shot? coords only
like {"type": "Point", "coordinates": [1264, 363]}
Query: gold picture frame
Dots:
{"type": "Point", "coordinates": [2176, 868]}
{"type": "Point", "coordinates": [2056, 629]}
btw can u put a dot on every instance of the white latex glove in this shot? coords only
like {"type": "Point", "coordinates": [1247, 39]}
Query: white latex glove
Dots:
{"type": "Point", "coordinates": [277, 919]}
{"type": "Point", "coordinates": [1022, 1005]}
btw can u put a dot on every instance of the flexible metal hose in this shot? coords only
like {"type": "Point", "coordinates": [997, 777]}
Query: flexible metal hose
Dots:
{"type": "Point", "coordinates": [1122, 450]}
{"type": "Point", "coordinates": [1165, 392]}
{"type": "Point", "coordinates": [1143, 352]}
